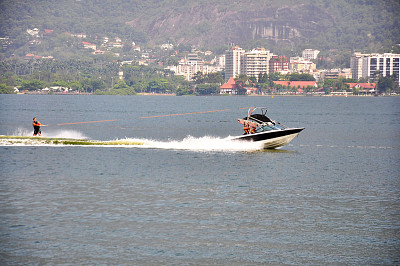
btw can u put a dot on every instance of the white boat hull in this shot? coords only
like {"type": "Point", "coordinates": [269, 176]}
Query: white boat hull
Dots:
{"type": "Point", "coordinates": [272, 139]}
{"type": "Point", "coordinates": [278, 142]}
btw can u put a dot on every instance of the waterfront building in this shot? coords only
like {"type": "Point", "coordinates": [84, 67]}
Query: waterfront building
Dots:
{"type": "Point", "coordinates": [371, 65]}
{"type": "Point", "coordinates": [229, 87]}
{"type": "Point", "coordinates": [233, 58]}
{"type": "Point", "coordinates": [363, 88]}
{"type": "Point", "coordinates": [255, 62]}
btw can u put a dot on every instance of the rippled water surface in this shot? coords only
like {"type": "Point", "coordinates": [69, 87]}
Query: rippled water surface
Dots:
{"type": "Point", "coordinates": [192, 197]}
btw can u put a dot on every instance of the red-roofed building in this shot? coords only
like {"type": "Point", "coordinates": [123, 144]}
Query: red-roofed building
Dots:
{"type": "Point", "coordinates": [229, 88]}
{"type": "Point", "coordinates": [251, 90]}
{"type": "Point", "coordinates": [297, 84]}
{"type": "Point", "coordinates": [88, 45]}
{"type": "Point", "coordinates": [32, 56]}
{"type": "Point", "coordinates": [278, 64]}
{"type": "Point", "coordinates": [363, 87]}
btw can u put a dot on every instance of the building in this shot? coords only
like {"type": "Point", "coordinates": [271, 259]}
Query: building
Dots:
{"type": "Point", "coordinates": [356, 63]}
{"type": "Point", "coordinates": [371, 65]}
{"type": "Point", "coordinates": [300, 65]}
{"type": "Point", "coordinates": [310, 54]}
{"type": "Point", "coordinates": [335, 73]}
{"type": "Point", "coordinates": [255, 62]}
{"type": "Point", "coordinates": [188, 66]}
{"type": "Point", "coordinates": [34, 32]}
{"type": "Point", "coordinates": [278, 64]}
{"type": "Point", "coordinates": [221, 61]}
{"type": "Point", "coordinates": [88, 45]}
{"type": "Point", "coordinates": [229, 87]}
{"type": "Point", "coordinates": [365, 88]}
{"type": "Point", "coordinates": [297, 84]}
{"type": "Point", "coordinates": [233, 59]}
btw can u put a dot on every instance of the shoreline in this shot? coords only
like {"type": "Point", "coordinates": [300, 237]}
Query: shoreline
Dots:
{"type": "Point", "coordinates": [250, 95]}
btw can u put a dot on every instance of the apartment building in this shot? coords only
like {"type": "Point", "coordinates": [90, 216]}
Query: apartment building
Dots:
{"type": "Point", "coordinates": [300, 65]}
{"type": "Point", "coordinates": [310, 54]}
{"type": "Point", "coordinates": [278, 64]}
{"type": "Point", "coordinates": [192, 64]}
{"type": "Point", "coordinates": [233, 59]}
{"type": "Point", "coordinates": [255, 62]}
{"type": "Point", "coordinates": [371, 65]}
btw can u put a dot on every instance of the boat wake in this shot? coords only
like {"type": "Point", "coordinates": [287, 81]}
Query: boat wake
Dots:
{"type": "Point", "coordinates": [67, 134]}
{"type": "Point", "coordinates": [23, 137]}
{"type": "Point", "coordinates": [206, 143]}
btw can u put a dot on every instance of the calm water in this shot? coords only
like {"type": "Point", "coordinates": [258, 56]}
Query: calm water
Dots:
{"type": "Point", "coordinates": [330, 197]}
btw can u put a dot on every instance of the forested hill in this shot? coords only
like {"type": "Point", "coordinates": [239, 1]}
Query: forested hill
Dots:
{"type": "Point", "coordinates": [369, 25]}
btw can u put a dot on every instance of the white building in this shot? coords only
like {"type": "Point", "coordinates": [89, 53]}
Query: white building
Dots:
{"type": "Point", "coordinates": [221, 61]}
{"type": "Point", "coordinates": [192, 64]}
{"type": "Point", "coordinates": [34, 32]}
{"type": "Point", "coordinates": [167, 46]}
{"type": "Point", "coordinates": [371, 65]}
{"type": "Point", "coordinates": [255, 62]}
{"type": "Point", "coordinates": [300, 65]}
{"type": "Point", "coordinates": [233, 62]}
{"type": "Point", "coordinates": [310, 54]}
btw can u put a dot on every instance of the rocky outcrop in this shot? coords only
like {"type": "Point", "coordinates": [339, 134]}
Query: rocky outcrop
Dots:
{"type": "Point", "coordinates": [213, 25]}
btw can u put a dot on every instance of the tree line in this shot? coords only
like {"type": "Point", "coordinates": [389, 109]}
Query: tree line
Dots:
{"type": "Point", "coordinates": [102, 77]}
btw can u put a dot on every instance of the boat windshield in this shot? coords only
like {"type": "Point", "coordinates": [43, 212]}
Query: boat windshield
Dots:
{"type": "Point", "coordinates": [269, 126]}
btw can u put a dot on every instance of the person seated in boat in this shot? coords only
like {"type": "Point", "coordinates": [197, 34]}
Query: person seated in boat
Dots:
{"type": "Point", "coordinates": [252, 129]}
{"type": "Point", "coordinates": [246, 128]}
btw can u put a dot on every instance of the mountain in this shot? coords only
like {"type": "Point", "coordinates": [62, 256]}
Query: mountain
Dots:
{"type": "Point", "coordinates": [209, 25]}
{"type": "Point", "coordinates": [372, 25]}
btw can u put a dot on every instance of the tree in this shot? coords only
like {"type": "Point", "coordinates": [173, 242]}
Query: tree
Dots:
{"type": "Point", "coordinates": [184, 90]}
{"type": "Point", "coordinates": [262, 78]}
{"type": "Point", "coordinates": [75, 85]}
{"type": "Point", "coordinates": [32, 85]}
{"type": "Point", "coordinates": [120, 85]}
{"type": "Point", "coordinates": [4, 89]}
{"type": "Point", "coordinates": [215, 77]}
{"type": "Point", "coordinates": [207, 89]}
{"type": "Point", "coordinates": [300, 77]}
{"type": "Point", "coordinates": [241, 83]}
{"type": "Point", "coordinates": [198, 77]}
{"type": "Point", "coordinates": [385, 84]}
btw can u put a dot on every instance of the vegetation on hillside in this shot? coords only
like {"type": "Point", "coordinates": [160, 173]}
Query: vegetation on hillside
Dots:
{"type": "Point", "coordinates": [366, 25]}
{"type": "Point", "coordinates": [58, 57]}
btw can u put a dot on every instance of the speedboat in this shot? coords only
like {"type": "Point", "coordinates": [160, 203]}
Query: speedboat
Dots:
{"type": "Point", "coordinates": [258, 127]}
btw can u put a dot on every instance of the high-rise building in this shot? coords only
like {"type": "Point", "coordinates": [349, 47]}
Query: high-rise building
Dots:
{"type": "Point", "coordinates": [371, 65]}
{"type": "Point", "coordinates": [233, 62]}
{"type": "Point", "coordinates": [255, 62]}
{"type": "Point", "coordinates": [356, 63]}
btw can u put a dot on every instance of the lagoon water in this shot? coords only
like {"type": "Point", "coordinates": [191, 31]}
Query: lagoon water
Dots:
{"type": "Point", "coordinates": [192, 197]}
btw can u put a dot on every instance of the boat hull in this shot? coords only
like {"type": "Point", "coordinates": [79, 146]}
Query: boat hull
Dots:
{"type": "Point", "coordinates": [272, 139]}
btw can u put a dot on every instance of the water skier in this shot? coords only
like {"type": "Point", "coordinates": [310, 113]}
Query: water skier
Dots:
{"type": "Point", "coordinates": [36, 127]}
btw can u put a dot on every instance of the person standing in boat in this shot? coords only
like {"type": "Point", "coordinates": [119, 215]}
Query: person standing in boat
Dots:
{"type": "Point", "coordinates": [36, 127]}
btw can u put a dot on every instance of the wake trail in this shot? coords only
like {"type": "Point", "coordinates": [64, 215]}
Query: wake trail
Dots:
{"type": "Point", "coordinates": [206, 143]}
{"type": "Point", "coordinates": [74, 138]}
{"type": "Point", "coordinates": [68, 134]}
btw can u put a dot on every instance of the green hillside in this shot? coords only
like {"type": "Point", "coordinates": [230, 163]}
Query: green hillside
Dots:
{"type": "Point", "coordinates": [291, 25]}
